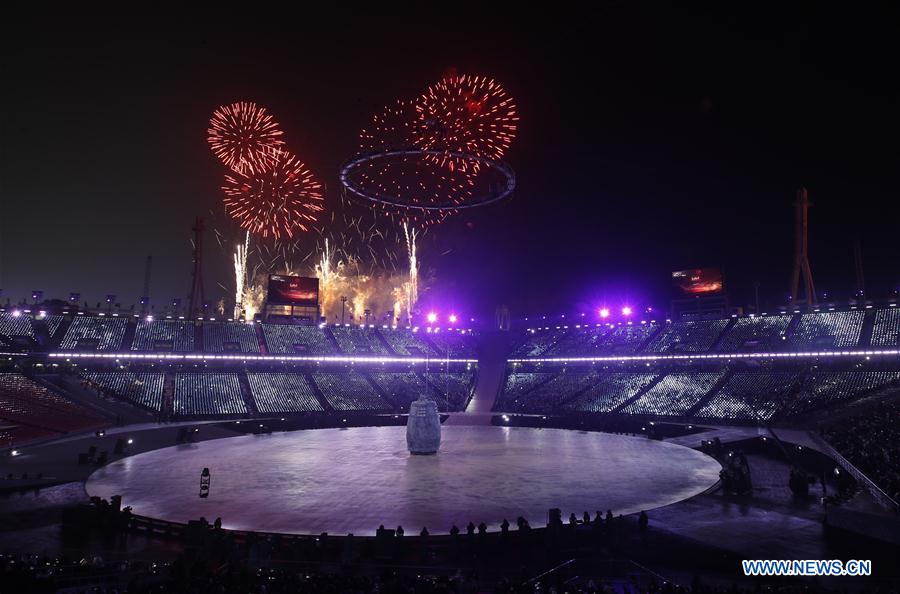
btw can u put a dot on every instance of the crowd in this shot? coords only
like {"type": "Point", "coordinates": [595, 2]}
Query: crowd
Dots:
{"type": "Point", "coordinates": [208, 394]}
{"type": "Point", "coordinates": [693, 336]}
{"type": "Point", "coordinates": [802, 332]}
{"type": "Point", "coordinates": [752, 396]}
{"type": "Point", "coordinates": [37, 574]}
{"type": "Point", "coordinates": [871, 442]}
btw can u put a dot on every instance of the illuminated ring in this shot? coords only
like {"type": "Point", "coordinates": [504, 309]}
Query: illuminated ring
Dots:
{"type": "Point", "coordinates": [499, 166]}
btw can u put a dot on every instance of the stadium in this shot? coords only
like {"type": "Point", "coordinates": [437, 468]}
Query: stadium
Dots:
{"type": "Point", "coordinates": [529, 324]}
{"type": "Point", "coordinates": [688, 414]}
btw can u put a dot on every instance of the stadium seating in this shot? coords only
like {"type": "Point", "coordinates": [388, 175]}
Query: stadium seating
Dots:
{"type": "Point", "coordinates": [787, 388]}
{"type": "Point", "coordinates": [827, 388]}
{"type": "Point", "coordinates": [15, 325]}
{"type": "Point", "coordinates": [94, 334]}
{"type": "Point", "coordinates": [282, 392]}
{"type": "Point", "coordinates": [141, 388]}
{"type": "Point", "coordinates": [584, 341]}
{"type": "Point", "coordinates": [674, 394]}
{"type": "Point", "coordinates": [871, 442]}
{"type": "Point", "coordinates": [404, 387]}
{"type": "Point", "coordinates": [750, 396]}
{"type": "Point", "coordinates": [53, 323]}
{"type": "Point", "coordinates": [609, 392]}
{"type": "Point", "coordinates": [34, 411]}
{"type": "Point", "coordinates": [755, 334]}
{"type": "Point", "coordinates": [546, 396]}
{"type": "Point", "coordinates": [579, 342]}
{"type": "Point", "coordinates": [694, 336]}
{"type": "Point", "coordinates": [164, 335]}
{"type": "Point", "coordinates": [230, 337]}
{"type": "Point", "coordinates": [453, 344]}
{"type": "Point", "coordinates": [886, 329]}
{"type": "Point", "coordinates": [356, 340]}
{"type": "Point", "coordinates": [455, 385]}
{"type": "Point", "coordinates": [832, 329]}
{"type": "Point", "coordinates": [625, 339]}
{"type": "Point", "coordinates": [536, 343]}
{"type": "Point", "coordinates": [208, 394]}
{"type": "Point", "coordinates": [404, 342]}
{"type": "Point", "coordinates": [297, 340]}
{"type": "Point", "coordinates": [520, 382]}
{"type": "Point", "coordinates": [349, 391]}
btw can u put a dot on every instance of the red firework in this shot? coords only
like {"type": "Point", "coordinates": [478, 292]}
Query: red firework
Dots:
{"type": "Point", "coordinates": [465, 114]}
{"type": "Point", "coordinates": [244, 137]}
{"type": "Point", "coordinates": [281, 201]}
{"type": "Point", "coordinates": [414, 183]}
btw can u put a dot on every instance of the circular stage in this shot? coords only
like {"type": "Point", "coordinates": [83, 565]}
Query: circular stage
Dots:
{"type": "Point", "coordinates": [351, 480]}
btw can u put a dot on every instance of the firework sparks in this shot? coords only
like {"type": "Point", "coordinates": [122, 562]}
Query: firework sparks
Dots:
{"type": "Point", "coordinates": [244, 137]}
{"type": "Point", "coordinates": [414, 182]}
{"type": "Point", "coordinates": [412, 285]}
{"type": "Point", "coordinates": [381, 294]}
{"type": "Point", "coordinates": [240, 275]}
{"type": "Point", "coordinates": [281, 201]}
{"type": "Point", "coordinates": [465, 114]}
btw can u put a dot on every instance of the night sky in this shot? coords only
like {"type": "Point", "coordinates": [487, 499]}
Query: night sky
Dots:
{"type": "Point", "coordinates": [652, 138]}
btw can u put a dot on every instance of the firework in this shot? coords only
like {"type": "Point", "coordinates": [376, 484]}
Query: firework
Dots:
{"type": "Point", "coordinates": [279, 202]}
{"type": "Point", "coordinates": [390, 129]}
{"type": "Point", "coordinates": [464, 114]}
{"type": "Point", "coordinates": [240, 274]}
{"type": "Point", "coordinates": [244, 137]}
{"type": "Point", "coordinates": [412, 285]}
{"type": "Point", "coordinates": [383, 295]}
{"type": "Point", "coordinates": [411, 186]}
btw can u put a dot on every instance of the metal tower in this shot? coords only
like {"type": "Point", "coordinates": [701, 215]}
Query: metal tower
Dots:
{"type": "Point", "coordinates": [801, 252]}
{"type": "Point", "coordinates": [195, 307]}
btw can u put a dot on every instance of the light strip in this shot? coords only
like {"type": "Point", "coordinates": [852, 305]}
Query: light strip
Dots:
{"type": "Point", "coordinates": [255, 358]}
{"type": "Point", "coordinates": [713, 356]}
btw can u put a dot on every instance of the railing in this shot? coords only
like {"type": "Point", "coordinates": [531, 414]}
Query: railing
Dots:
{"type": "Point", "coordinates": [882, 498]}
{"type": "Point", "coordinates": [609, 570]}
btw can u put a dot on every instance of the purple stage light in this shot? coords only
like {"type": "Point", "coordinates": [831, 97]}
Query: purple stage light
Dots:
{"type": "Point", "coordinates": [604, 312]}
{"type": "Point", "coordinates": [432, 317]}
{"type": "Point", "coordinates": [626, 311]}
{"type": "Point", "coordinates": [453, 318]}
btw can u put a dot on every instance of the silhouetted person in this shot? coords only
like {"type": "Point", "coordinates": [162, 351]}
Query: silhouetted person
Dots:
{"type": "Point", "coordinates": [424, 532]}
{"type": "Point", "coordinates": [482, 528]}
{"type": "Point", "coordinates": [598, 518]}
{"type": "Point", "coordinates": [586, 518]}
{"type": "Point", "coordinates": [218, 524]}
{"type": "Point", "coordinates": [504, 527]}
{"type": "Point", "coordinates": [400, 531]}
{"type": "Point", "coordinates": [470, 529]}
{"type": "Point", "coordinates": [643, 522]}
{"type": "Point", "coordinates": [454, 531]}
{"type": "Point", "coordinates": [573, 521]}
{"type": "Point", "coordinates": [609, 517]}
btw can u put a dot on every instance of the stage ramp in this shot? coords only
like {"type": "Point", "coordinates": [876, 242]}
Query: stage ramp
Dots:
{"type": "Point", "coordinates": [491, 373]}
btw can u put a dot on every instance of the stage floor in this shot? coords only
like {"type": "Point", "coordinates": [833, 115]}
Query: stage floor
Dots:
{"type": "Point", "coordinates": [351, 480]}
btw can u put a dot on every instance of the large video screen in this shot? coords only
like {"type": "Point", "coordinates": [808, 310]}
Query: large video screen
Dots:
{"type": "Point", "coordinates": [293, 290]}
{"type": "Point", "coordinates": [699, 281]}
